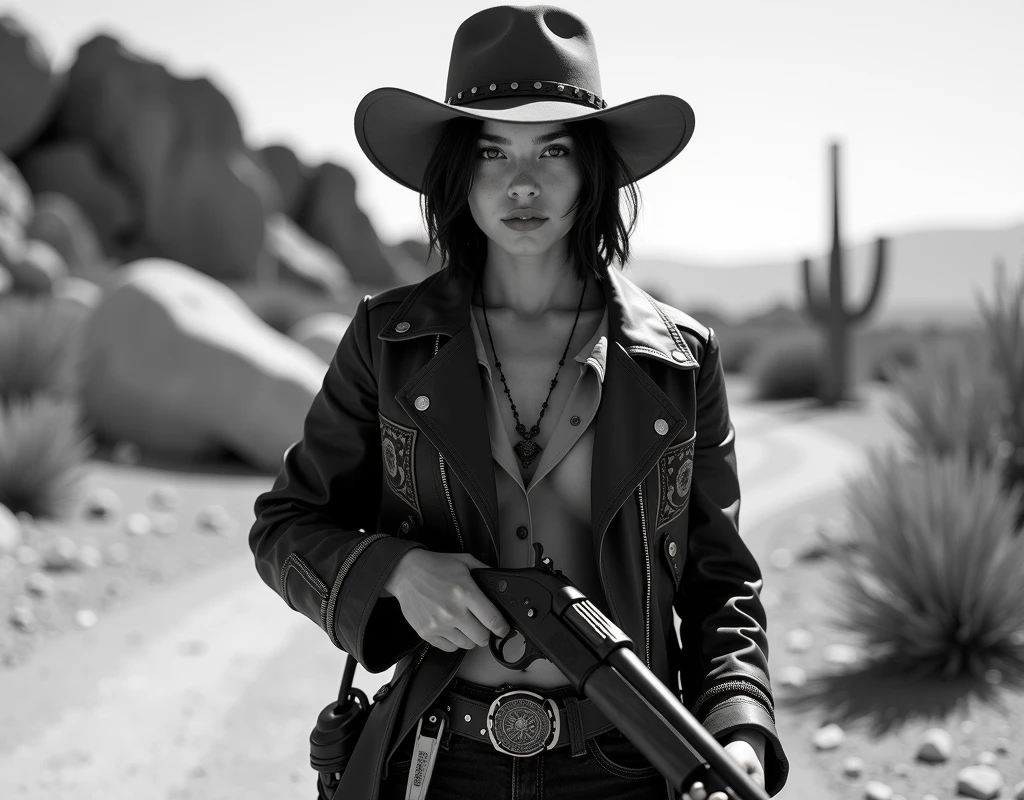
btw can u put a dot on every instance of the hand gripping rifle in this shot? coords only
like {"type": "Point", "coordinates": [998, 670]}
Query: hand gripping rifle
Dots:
{"type": "Point", "coordinates": [560, 624]}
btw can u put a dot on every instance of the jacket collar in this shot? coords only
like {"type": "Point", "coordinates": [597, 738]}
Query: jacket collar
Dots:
{"type": "Point", "coordinates": [440, 303]}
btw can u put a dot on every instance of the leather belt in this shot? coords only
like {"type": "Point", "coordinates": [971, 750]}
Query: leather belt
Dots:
{"type": "Point", "coordinates": [523, 722]}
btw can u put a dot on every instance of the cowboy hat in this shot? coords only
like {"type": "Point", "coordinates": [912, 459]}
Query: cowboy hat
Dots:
{"type": "Point", "coordinates": [518, 64]}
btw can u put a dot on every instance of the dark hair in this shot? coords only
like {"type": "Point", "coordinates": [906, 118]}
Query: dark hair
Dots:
{"type": "Point", "coordinates": [598, 235]}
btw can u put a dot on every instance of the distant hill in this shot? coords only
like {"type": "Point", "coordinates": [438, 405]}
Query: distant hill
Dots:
{"type": "Point", "coordinates": [933, 276]}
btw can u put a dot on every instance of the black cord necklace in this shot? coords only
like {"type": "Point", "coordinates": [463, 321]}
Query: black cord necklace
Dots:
{"type": "Point", "coordinates": [526, 449]}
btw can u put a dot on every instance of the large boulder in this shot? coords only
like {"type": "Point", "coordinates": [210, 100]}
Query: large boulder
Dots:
{"type": "Point", "coordinates": [300, 259]}
{"type": "Point", "coordinates": [179, 144]}
{"type": "Point", "coordinates": [72, 167]}
{"type": "Point", "coordinates": [29, 88]}
{"type": "Point", "coordinates": [291, 174]}
{"type": "Point", "coordinates": [15, 195]}
{"type": "Point", "coordinates": [332, 216]}
{"type": "Point", "coordinates": [59, 222]}
{"type": "Point", "coordinates": [176, 362]}
{"type": "Point", "coordinates": [321, 333]}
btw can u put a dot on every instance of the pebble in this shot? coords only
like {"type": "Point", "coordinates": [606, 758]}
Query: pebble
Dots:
{"type": "Point", "coordinates": [165, 498]}
{"type": "Point", "coordinates": [781, 558]}
{"type": "Point", "coordinates": [89, 556]}
{"type": "Point", "coordinates": [60, 553]}
{"type": "Point", "coordinates": [1003, 746]}
{"type": "Point", "coordinates": [86, 618]}
{"type": "Point", "coordinates": [876, 790]}
{"type": "Point", "coordinates": [164, 524]}
{"type": "Point", "coordinates": [116, 554]}
{"type": "Point", "coordinates": [28, 556]}
{"type": "Point", "coordinates": [799, 640]}
{"type": "Point", "coordinates": [980, 781]}
{"type": "Point", "coordinates": [138, 524]}
{"type": "Point", "coordinates": [901, 769]}
{"type": "Point", "coordinates": [792, 676]}
{"type": "Point", "coordinates": [853, 767]}
{"type": "Point", "coordinates": [103, 503]}
{"type": "Point", "coordinates": [841, 654]}
{"type": "Point", "coordinates": [987, 758]}
{"type": "Point", "coordinates": [40, 584]}
{"type": "Point", "coordinates": [936, 746]}
{"type": "Point", "coordinates": [828, 737]}
{"type": "Point", "coordinates": [126, 452]}
{"type": "Point", "coordinates": [216, 519]}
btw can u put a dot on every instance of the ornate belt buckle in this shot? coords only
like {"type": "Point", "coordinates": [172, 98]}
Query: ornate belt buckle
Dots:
{"type": "Point", "coordinates": [522, 723]}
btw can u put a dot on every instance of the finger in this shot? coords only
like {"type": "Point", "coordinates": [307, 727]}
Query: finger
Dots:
{"type": "Point", "coordinates": [697, 790]}
{"type": "Point", "coordinates": [487, 613]}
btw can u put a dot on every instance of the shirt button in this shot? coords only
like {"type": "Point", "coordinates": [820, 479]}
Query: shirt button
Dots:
{"type": "Point", "coordinates": [522, 532]}
{"type": "Point", "coordinates": [402, 327]}
{"type": "Point", "coordinates": [672, 549]}
{"type": "Point", "coordinates": [575, 420]}
{"type": "Point", "coordinates": [422, 403]}
{"type": "Point", "coordinates": [661, 427]}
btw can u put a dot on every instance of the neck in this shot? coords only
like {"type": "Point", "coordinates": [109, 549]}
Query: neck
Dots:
{"type": "Point", "coordinates": [533, 285]}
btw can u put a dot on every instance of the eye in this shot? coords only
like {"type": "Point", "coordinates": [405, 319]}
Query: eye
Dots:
{"type": "Point", "coordinates": [483, 150]}
{"type": "Point", "coordinates": [560, 147]}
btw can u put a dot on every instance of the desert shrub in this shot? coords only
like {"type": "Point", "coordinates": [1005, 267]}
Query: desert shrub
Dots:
{"type": "Point", "coordinates": [899, 355]}
{"type": "Point", "coordinates": [787, 366]}
{"type": "Point", "coordinates": [42, 451]}
{"type": "Point", "coordinates": [934, 586]}
{"type": "Point", "coordinates": [1004, 327]}
{"type": "Point", "coordinates": [950, 401]}
{"type": "Point", "coordinates": [39, 339]}
{"type": "Point", "coordinates": [737, 345]}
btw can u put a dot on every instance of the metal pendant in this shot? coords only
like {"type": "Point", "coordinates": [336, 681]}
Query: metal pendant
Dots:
{"type": "Point", "coordinates": [526, 450]}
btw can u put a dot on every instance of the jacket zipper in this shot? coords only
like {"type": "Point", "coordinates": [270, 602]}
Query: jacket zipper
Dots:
{"type": "Point", "coordinates": [647, 562]}
{"type": "Point", "coordinates": [733, 686]}
{"type": "Point", "coordinates": [444, 476]}
{"type": "Point", "coordinates": [327, 611]}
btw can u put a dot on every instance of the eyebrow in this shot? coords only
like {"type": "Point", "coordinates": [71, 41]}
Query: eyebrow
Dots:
{"type": "Point", "coordinates": [544, 137]}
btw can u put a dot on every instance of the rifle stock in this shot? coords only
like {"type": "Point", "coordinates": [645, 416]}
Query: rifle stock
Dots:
{"type": "Point", "coordinates": [559, 623]}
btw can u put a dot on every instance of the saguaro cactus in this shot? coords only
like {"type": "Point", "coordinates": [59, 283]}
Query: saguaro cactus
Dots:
{"type": "Point", "coordinates": [828, 309]}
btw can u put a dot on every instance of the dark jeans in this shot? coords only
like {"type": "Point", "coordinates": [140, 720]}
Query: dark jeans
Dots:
{"type": "Point", "coordinates": [466, 769]}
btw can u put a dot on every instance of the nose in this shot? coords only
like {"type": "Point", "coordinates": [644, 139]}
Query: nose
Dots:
{"type": "Point", "coordinates": [523, 184]}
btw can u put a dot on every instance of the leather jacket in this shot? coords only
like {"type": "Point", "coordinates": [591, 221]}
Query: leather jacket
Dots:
{"type": "Point", "coordinates": [395, 455]}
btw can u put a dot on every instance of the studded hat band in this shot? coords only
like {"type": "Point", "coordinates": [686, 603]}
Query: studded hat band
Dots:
{"type": "Point", "coordinates": [562, 91]}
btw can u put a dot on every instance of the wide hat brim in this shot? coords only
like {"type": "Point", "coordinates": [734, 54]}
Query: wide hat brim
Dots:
{"type": "Point", "coordinates": [398, 129]}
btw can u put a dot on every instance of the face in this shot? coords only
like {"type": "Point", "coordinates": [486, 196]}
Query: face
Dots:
{"type": "Point", "coordinates": [520, 166]}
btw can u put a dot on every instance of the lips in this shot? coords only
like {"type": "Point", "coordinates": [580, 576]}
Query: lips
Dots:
{"type": "Point", "coordinates": [527, 213]}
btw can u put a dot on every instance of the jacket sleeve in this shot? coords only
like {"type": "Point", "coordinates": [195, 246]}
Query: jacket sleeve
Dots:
{"type": "Point", "coordinates": [723, 627]}
{"type": "Point", "coordinates": [314, 539]}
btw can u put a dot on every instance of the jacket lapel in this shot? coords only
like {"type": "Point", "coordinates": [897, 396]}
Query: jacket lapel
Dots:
{"type": "Point", "coordinates": [455, 420]}
{"type": "Point", "coordinates": [626, 443]}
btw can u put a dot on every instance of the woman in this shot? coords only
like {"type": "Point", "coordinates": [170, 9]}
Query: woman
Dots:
{"type": "Point", "coordinates": [612, 446]}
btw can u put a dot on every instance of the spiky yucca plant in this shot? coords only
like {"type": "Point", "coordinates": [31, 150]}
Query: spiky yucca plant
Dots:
{"type": "Point", "coordinates": [42, 451]}
{"type": "Point", "coordinates": [935, 584]}
{"type": "Point", "coordinates": [949, 400]}
{"type": "Point", "coordinates": [1004, 325]}
{"type": "Point", "coordinates": [38, 346]}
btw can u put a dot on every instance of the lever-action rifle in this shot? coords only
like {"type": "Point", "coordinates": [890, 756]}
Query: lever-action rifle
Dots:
{"type": "Point", "coordinates": [560, 624]}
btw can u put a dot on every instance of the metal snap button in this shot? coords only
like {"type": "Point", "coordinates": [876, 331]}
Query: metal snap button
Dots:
{"type": "Point", "coordinates": [404, 527]}
{"type": "Point", "coordinates": [402, 327]}
{"type": "Point", "coordinates": [672, 549]}
{"type": "Point", "coordinates": [574, 420]}
{"type": "Point", "coordinates": [522, 532]}
{"type": "Point", "coordinates": [679, 355]}
{"type": "Point", "coordinates": [661, 427]}
{"type": "Point", "coordinates": [422, 403]}
{"type": "Point", "coordinates": [468, 718]}
{"type": "Point", "coordinates": [382, 691]}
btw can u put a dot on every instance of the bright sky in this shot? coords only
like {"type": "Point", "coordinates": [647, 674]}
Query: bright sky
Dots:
{"type": "Point", "coordinates": [924, 96]}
